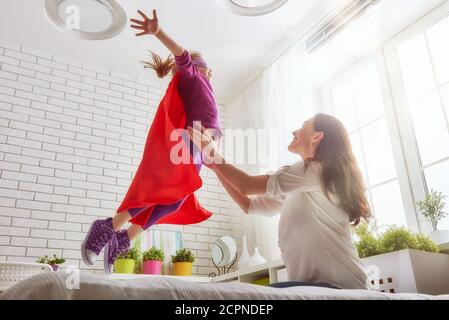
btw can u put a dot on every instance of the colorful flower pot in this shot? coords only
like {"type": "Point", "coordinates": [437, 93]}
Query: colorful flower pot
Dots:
{"type": "Point", "coordinates": [55, 267]}
{"type": "Point", "coordinates": [124, 266]}
{"type": "Point", "coordinates": [152, 267]}
{"type": "Point", "coordinates": [182, 269]}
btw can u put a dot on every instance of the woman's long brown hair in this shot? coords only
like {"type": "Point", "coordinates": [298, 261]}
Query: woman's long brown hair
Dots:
{"type": "Point", "coordinates": [341, 174]}
{"type": "Point", "coordinates": [164, 67]}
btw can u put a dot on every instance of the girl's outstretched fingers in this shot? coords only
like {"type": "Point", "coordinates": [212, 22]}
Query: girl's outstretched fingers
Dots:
{"type": "Point", "coordinates": [137, 27]}
{"type": "Point", "coordinates": [137, 21]}
{"type": "Point", "coordinates": [145, 18]}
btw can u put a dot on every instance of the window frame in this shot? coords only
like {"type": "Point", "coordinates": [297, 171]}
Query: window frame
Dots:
{"type": "Point", "coordinates": [417, 178]}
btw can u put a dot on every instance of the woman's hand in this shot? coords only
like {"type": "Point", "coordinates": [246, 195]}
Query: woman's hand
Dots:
{"type": "Point", "coordinates": [147, 25]}
{"type": "Point", "coordinates": [206, 144]}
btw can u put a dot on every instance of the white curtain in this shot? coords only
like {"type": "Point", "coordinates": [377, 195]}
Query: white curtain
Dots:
{"type": "Point", "coordinates": [279, 100]}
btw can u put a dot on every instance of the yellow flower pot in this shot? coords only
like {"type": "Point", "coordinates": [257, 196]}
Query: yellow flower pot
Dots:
{"type": "Point", "coordinates": [182, 269]}
{"type": "Point", "coordinates": [124, 266]}
{"type": "Point", "coordinates": [262, 282]}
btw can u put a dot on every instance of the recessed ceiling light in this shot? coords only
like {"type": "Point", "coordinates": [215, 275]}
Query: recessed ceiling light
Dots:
{"type": "Point", "coordinates": [252, 7]}
{"type": "Point", "coordinates": [87, 19]}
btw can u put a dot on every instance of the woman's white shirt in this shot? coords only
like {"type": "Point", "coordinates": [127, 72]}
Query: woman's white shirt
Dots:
{"type": "Point", "coordinates": [314, 233]}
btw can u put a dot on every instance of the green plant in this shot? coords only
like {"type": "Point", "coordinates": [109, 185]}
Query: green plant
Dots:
{"type": "Point", "coordinates": [368, 244]}
{"type": "Point", "coordinates": [132, 254]}
{"type": "Point", "coordinates": [153, 254]}
{"type": "Point", "coordinates": [51, 261]}
{"type": "Point", "coordinates": [425, 244]}
{"type": "Point", "coordinates": [394, 239]}
{"type": "Point", "coordinates": [365, 228]}
{"type": "Point", "coordinates": [138, 263]}
{"type": "Point", "coordinates": [183, 255]}
{"type": "Point", "coordinates": [432, 207]}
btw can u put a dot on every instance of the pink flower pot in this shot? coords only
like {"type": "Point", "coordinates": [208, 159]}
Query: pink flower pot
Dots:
{"type": "Point", "coordinates": [55, 267]}
{"type": "Point", "coordinates": [152, 267]}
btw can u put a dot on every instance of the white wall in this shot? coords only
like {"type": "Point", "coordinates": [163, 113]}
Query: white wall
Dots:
{"type": "Point", "coordinates": [71, 138]}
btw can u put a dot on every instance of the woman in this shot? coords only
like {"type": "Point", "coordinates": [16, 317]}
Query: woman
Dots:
{"type": "Point", "coordinates": [162, 191]}
{"type": "Point", "coordinates": [318, 198]}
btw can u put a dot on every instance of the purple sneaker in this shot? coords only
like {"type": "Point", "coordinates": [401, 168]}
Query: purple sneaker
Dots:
{"type": "Point", "coordinates": [100, 232]}
{"type": "Point", "coordinates": [116, 246]}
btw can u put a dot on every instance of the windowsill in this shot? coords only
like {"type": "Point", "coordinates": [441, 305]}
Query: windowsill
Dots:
{"type": "Point", "coordinates": [444, 247]}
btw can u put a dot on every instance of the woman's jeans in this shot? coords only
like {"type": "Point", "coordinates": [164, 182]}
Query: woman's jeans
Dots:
{"type": "Point", "coordinates": [288, 284]}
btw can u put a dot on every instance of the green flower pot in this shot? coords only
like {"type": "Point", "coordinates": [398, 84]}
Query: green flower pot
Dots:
{"type": "Point", "coordinates": [124, 266]}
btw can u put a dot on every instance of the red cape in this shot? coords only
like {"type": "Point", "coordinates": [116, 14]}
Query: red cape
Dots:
{"type": "Point", "coordinates": [158, 180]}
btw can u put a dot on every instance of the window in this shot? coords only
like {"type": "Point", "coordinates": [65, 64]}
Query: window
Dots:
{"type": "Point", "coordinates": [356, 99]}
{"type": "Point", "coordinates": [396, 107]}
{"type": "Point", "coordinates": [424, 70]}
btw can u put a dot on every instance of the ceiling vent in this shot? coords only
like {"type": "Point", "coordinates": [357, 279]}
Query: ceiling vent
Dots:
{"type": "Point", "coordinates": [87, 19]}
{"type": "Point", "coordinates": [251, 7]}
{"type": "Point", "coordinates": [335, 22]}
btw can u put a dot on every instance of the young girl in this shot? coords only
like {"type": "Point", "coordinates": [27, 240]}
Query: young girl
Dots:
{"type": "Point", "coordinates": [162, 191]}
{"type": "Point", "coordinates": [318, 198]}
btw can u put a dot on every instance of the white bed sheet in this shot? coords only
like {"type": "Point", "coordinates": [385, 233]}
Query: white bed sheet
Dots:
{"type": "Point", "coordinates": [53, 286]}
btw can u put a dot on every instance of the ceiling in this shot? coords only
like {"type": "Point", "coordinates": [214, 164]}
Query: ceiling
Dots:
{"type": "Point", "coordinates": [364, 36]}
{"type": "Point", "coordinates": [236, 47]}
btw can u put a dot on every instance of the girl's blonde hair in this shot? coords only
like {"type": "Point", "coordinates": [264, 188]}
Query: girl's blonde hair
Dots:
{"type": "Point", "coordinates": [164, 67]}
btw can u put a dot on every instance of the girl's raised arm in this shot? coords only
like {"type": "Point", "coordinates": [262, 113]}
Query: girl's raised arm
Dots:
{"type": "Point", "coordinates": [152, 27]}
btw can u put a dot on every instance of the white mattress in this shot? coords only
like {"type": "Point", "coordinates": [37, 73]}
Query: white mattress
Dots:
{"type": "Point", "coordinates": [53, 286]}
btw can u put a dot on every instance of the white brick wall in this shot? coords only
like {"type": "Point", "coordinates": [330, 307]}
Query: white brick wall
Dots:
{"type": "Point", "coordinates": [71, 137]}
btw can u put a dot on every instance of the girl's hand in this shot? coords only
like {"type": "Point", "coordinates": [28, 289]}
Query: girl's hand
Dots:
{"type": "Point", "coordinates": [206, 144]}
{"type": "Point", "coordinates": [147, 25]}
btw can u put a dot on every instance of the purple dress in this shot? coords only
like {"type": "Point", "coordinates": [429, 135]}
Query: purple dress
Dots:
{"type": "Point", "coordinates": [197, 94]}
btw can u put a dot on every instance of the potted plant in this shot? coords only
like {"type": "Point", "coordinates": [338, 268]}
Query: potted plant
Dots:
{"type": "Point", "coordinates": [432, 208]}
{"type": "Point", "coordinates": [152, 261]}
{"type": "Point", "coordinates": [126, 263]}
{"type": "Point", "coordinates": [182, 262]}
{"type": "Point", "coordinates": [54, 262]}
{"type": "Point", "coordinates": [400, 261]}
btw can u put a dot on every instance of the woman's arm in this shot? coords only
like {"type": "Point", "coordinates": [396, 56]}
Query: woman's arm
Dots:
{"type": "Point", "coordinates": [237, 183]}
{"type": "Point", "coordinates": [241, 199]}
{"type": "Point", "coordinates": [260, 205]}
{"type": "Point", "coordinates": [240, 180]}
{"type": "Point", "coordinates": [151, 26]}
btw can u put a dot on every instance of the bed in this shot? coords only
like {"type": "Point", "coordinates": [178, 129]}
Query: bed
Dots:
{"type": "Point", "coordinates": [50, 286]}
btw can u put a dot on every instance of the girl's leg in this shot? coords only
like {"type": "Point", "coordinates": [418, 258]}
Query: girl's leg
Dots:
{"type": "Point", "coordinates": [161, 211]}
{"type": "Point", "coordinates": [120, 219]}
{"type": "Point", "coordinates": [134, 231]}
{"type": "Point", "coordinates": [123, 217]}
{"type": "Point", "coordinates": [100, 233]}
{"type": "Point", "coordinates": [121, 243]}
